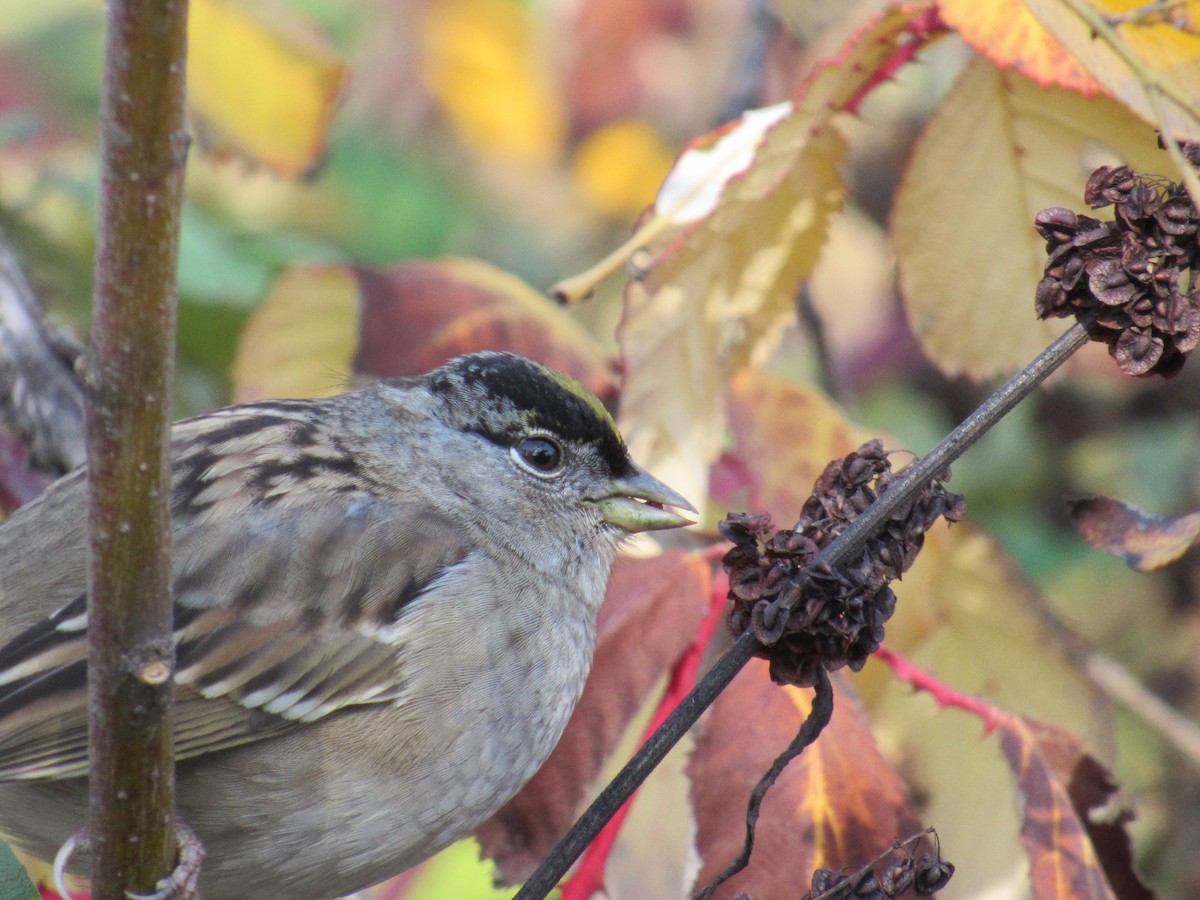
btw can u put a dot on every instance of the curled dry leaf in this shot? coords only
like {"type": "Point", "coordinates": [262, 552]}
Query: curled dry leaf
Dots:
{"type": "Point", "coordinates": [650, 615]}
{"type": "Point", "coordinates": [1144, 540]}
{"type": "Point", "coordinates": [1076, 849]}
{"type": "Point", "coordinates": [838, 804]}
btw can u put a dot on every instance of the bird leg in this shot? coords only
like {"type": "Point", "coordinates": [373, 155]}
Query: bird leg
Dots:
{"type": "Point", "coordinates": [181, 884]}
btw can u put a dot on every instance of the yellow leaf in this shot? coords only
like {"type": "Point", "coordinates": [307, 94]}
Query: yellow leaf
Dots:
{"type": "Point", "coordinates": [697, 181]}
{"type": "Point", "coordinates": [481, 62]}
{"type": "Point", "coordinates": [717, 295]}
{"type": "Point", "coordinates": [997, 150]}
{"type": "Point", "coordinates": [259, 85]}
{"type": "Point", "coordinates": [1141, 56]}
{"type": "Point", "coordinates": [786, 434]}
{"type": "Point", "coordinates": [1008, 34]}
{"type": "Point", "coordinates": [301, 340]}
{"type": "Point", "coordinates": [619, 166]}
{"type": "Point", "coordinates": [703, 312]}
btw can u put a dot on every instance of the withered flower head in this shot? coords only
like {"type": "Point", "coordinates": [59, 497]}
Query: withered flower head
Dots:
{"type": "Point", "coordinates": [809, 617]}
{"type": "Point", "coordinates": [1124, 279]}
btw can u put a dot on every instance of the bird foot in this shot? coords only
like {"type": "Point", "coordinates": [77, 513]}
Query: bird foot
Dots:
{"type": "Point", "coordinates": [181, 884]}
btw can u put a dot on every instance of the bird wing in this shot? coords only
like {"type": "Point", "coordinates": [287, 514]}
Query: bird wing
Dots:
{"type": "Point", "coordinates": [281, 617]}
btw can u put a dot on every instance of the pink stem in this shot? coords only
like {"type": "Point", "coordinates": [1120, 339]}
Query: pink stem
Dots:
{"type": "Point", "coordinates": [923, 29]}
{"type": "Point", "coordinates": [943, 694]}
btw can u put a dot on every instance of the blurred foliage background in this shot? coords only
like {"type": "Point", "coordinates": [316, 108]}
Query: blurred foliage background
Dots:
{"type": "Point", "coordinates": [532, 135]}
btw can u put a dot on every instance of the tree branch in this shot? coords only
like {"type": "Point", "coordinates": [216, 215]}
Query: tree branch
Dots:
{"type": "Point", "coordinates": [131, 658]}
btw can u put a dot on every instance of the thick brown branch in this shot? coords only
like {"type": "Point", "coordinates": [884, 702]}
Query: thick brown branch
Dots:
{"type": "Point", "coordinates": [143, 149]}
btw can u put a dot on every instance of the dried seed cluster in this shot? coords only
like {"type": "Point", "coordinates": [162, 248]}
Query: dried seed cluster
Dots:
{"type": "Point", "coordinates": [809, 617]}
{"type": "Point", "coordinates": [1124, 279]}
{"type": "Point", "coordinates": [891, 874]}
{"type": "Point", "coordinates": [923, 876]}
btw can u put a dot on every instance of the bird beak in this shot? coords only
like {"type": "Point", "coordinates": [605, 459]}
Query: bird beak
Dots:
{"type": "Point", "coordinates": [638, 503]}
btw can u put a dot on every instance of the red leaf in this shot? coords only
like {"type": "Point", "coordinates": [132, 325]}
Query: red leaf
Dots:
{"type": "Point", "coordinates": [414, 317]}
{"type": "Point", "coordinates": [1071, 855]}
{"type": "Point", "coordinates": [840, 803]}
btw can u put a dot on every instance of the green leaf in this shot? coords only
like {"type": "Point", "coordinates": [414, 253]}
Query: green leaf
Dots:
{"type": "Point", "coordinates": [217, 266]}
{"type": "Point", "coordinates": [457, 872]}
{"type": "Point", "coordinates": [15, 883]}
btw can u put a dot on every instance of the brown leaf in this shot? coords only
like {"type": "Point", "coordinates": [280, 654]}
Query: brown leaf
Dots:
{"type": "Point", "coordinates": [1145, 541]}
{"type": "Point", "coordinates": [414, 317]}
{"type": "Point", "coordinates": [1062, 788]}
{"type": "Point", "coordinates": [784, 434]}
{"type": "Point", "coordinates": [840, 803]}
{"type": "Point", "coordinates": [649, 617]}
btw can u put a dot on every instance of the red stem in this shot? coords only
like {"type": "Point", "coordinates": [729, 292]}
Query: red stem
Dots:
{"type": "Point", "coordinates": [923, 29]}
{"type": "Point", "coordinates": [943, 694]}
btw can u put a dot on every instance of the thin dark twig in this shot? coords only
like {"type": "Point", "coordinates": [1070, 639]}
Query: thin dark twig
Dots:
{"type": "Point", "coordinates": [913, 479]}
{"type": "Point", "coordinates": [761, 25]}
{"type": "Point", "coordinates": [814, 327]}
{"type": "Point", "coordinates": [813, 725]}
{"type": "Point", "coordinates": [630, 778]}
{"type": "Point", "coordinates": [850, 541]}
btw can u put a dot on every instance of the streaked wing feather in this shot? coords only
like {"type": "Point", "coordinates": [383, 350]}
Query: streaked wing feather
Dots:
{"type": "Point", "coordinates": [290, 620]}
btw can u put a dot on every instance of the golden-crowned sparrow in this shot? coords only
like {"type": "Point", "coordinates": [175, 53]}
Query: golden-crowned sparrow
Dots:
{"type": "Point", "coordinates": [384, 614]}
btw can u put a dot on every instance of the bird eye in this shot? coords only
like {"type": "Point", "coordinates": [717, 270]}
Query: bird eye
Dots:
{"type": "Point", "coordinates": [539, 453]}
